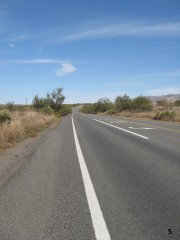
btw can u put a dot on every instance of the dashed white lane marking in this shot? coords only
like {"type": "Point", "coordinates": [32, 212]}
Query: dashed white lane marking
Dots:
{"type": "Point", "coordinates": [99, 224]}
{"type": "Point", "coordinates": [140, 128]}
{"type": "Point", "coordinates": [122, 129]}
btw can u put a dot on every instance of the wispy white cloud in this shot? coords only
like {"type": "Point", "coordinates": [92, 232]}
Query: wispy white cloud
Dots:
{"type": "Point", "coordinates": [40, 61]}
{"type": "Point", "coordinates": [32, 61]}
{"type": "Point", "coordinates": [125, 29]}
{"type": "Point", "coordinates": [20, 37]}
{"type": "Point", "coordinates": [163, 91]}
{"type": "Point", "coordinates": [51, 61]}
{"type": "Point", "coordinates": [11, 45]}
{"type": "Point", "coordinates": [66, 68]}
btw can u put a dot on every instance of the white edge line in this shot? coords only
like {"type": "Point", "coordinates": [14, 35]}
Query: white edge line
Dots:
{"type": "Point", "coordinates": [143, 128]}
{"type": "Point", "coordinates": [122, 129]}
{"type": "Point", "coordinates": [99, 224]}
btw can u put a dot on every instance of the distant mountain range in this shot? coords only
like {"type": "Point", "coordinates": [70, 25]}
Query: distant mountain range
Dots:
{"type": "Point", "coordinates": [169, 97]}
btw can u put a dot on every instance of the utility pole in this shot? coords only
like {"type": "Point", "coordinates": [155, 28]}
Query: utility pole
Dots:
{"type": "Point", "coordinates": [26, 102]}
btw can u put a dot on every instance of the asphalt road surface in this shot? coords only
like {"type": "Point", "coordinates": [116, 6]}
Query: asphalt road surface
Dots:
{"type": "Point", "coordinates": [97, 178]}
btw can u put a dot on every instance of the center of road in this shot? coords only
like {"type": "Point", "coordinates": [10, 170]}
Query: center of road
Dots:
{"type": "Point", "coordinates": [122, 129]}
{"type": "Point", "coordinates": [99, 224]}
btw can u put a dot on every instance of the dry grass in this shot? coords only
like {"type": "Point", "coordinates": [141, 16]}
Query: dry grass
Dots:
{"type": "Point", "coordinates": [149, 115]}
{"type": "Point", "coordinates": [177, 115]}
{"type": "Point", "coordinates": [23, 125]}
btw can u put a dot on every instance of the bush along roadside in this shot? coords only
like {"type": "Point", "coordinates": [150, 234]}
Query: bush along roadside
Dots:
{"type": "Point", "coordinates": [124, 103]}
{"type": "Point", "coordinates": [165, 116]}
{"type": "Point", "coordinates": [52, 103]}
{"type": "Point", "coordinates": [23, 126]}
{"type": "Point", "coordinates": [102, 105]}
{"type": "Point", "coordinates": [19, 123]}
{"type": "Point", "coordinates": [5, 116]}
{"type": "Point", "coordinates": [140, 107]}
{"type": "Point", "coordinates": [65, 109]}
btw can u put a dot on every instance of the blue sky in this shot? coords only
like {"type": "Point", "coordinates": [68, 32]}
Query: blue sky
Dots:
{"type": "Point", "coordinates": [90, 48]}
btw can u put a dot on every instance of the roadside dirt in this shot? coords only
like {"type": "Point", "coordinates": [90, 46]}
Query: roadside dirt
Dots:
{"type": "Point", "coordinates": [13, 158]}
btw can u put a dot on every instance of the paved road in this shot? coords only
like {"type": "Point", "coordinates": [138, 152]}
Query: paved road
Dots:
{"type": "Point", "coordinates": [100, 177]}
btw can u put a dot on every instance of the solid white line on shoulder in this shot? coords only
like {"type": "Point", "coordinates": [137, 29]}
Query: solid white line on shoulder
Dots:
{"type": "Point", "coordinates": [143, 128]}
{"type": "Point", "coordinates": [122, 129]}
{"type": "Point", "coordinates": [99, 224]}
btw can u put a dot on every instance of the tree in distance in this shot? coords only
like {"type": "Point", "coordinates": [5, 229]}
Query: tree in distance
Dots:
{"type": "Point", "coordinates": [123, 103]}
{"type": "Point", "coordinates": [53, 100]}
{"type": "Point", "coordinates": [142, 104]}
{"type": "Point", "coordinates": [177, 103]}
{"type": "Point", "coordinates": [103, 104]}
{"type": "Point", "coordinates": [163, 103]}
{"type": "Point", "coordinates": [10, 106]}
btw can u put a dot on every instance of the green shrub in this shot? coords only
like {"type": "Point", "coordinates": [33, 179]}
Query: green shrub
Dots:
{"type": "Point", "coordinates": [142, 104]}
{"type": "Point", "coordinates": [65, 109]}
{"type": "Point", "coordinates": [123, 103]}
{"type": "Point", "coordinates": [112, 110]}
{"type": "Point", "coordinates": [89, 108]}
{"type": "Point", "coordinates": [10, 106]}
{"type": "Point", "coordinates": [39, 103]}
{"type": "Point", "coordinates": [103, 104]}
{"type": "Point", "coordinates": [5, 116]}
{"type": "Point", "coordinates": [53, 99]}
{"type": "Point", "coordinates": [47, 110]}
{"type": "Point", "coordinates": [165, 116]}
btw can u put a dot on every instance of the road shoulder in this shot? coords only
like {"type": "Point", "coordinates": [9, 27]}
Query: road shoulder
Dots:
{"type": "Point", "coordinates": [12, 159]}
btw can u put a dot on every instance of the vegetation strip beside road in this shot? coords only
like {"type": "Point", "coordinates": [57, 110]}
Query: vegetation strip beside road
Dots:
{"type": "Point", "coordinates": [139, 107]}
{"type": "Point", "coordinates": [18, 122]}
